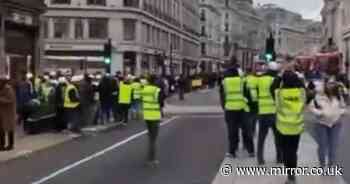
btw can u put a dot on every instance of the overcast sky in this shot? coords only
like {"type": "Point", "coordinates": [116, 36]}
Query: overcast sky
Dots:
{"type": "Point", "coordinates": [308, 8]}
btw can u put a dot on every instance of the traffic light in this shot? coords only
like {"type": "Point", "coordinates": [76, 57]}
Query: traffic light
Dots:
{"type": "Point", "coordinates": [107, 54]}
{"type": "Point", "coordinates": [270, 54]}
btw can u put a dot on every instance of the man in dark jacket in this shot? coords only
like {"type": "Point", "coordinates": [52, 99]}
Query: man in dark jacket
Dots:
{"type": "Point", "coordinates": [235, 114]}
{"type": "Point", "coordinates": [86, 92]}
{"type": "Point", "coordinates": [106, 98]}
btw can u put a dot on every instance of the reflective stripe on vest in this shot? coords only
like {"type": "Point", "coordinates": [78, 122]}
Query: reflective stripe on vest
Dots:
{"type": "Point", "coordinates": [234, 98]}
{"type": "Point", "coordinates": [151, 106]}
{"type": "Point", "coordinates": [67, 102]}
{"type": "Point", "coordinates": [266, 103]}
{"type": "Point", "coordinates": [125, 91]}
{"type": "Point", "coordinates": [136, 86]}
{"type": "Point", "coordinates": [290, 111]}
{"type": "Point", "coordinates": [252, 83]}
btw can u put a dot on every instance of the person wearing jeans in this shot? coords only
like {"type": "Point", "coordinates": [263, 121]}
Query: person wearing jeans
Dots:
{"type": "Point", "coordinates": [329, 107]}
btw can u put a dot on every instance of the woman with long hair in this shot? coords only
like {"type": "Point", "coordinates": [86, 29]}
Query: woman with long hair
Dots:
{"type": "Point", "coordinates": [329, 107]}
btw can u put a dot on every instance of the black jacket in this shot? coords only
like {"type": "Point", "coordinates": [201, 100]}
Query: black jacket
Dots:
{"type": "Point", "coordinates": [233, 72]}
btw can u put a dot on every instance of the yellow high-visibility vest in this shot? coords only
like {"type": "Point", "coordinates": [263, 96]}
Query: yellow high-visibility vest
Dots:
{"type": "Point", "coordinates": [234, 98]}
{"type": "Point", "coordinates": [67, 102]}
{"type": "Point", "coordinates": [151, 105]}
{"type": "Point", "coordinates": [252, 84]}
{"type": "Point", "coordinates": [290, 111]}
{"type": "Point", "coordinates": [266, 103]}
{"type": "Point", "coordinates": [125, 91]}
{"type": "Point", "coordinates": [137, 87]}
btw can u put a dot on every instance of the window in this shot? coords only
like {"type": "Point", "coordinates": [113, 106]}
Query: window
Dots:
{"type": "Point", "coordinates": [46, 28]}
{"type": "Point", "coordinates": [226, 27]}
{"type": "Point", "coordinates": [60, 1]}
{"type": "Point", "coordinates": [129, 29]}
{"type": "Point", "coordinates": [203, 31]}
{"type": "Point", "coordinates": [131, 3]}
{"type": "Point", "coordinates": [97, 2]}
{"type": "Point", "coordinates": [148, 34]}
{"type": "Point", "coordinates": [79, 29]}
{"type": "Point", "coordinates": [61, 27]}
{"type": "Point", "coordinates": [203, 49]}
{"type": "Point", "coordinates": [203, 15]}
{"type": "Point", "coordinates": [98, 28]}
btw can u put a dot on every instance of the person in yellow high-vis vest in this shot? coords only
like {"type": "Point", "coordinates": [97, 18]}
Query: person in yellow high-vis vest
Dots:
{"type": "Point", "coordinates": [151, 100]}
{"type": "Point", "coordinates": [290, 103]}
{"type": "Point", "coordinates": [252, 84]}
{"type": "Point", "coordinates": [267, 114]}
{"type": "Point", "coordinates": [71, 106]}
{"type": "Point", "coordinates": [234, 99]}
{"type": "Point", "coordinates": [136, 101]}
{"type": "Point", "coordinates": [125, 98]}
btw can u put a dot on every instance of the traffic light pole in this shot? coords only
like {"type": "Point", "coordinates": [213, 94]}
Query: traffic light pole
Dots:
{"type": "Point", "coordinates": [107, 54]}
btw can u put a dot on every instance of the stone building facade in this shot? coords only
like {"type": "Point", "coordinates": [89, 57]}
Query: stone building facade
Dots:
{"type": "Point", "coordinates": [148, 36]}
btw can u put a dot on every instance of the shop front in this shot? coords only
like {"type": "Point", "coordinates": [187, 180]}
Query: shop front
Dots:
{"type": "Point", "coordinates": [20, 37]}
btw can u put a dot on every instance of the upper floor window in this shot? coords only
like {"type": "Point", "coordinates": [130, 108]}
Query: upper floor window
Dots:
{"type": "Point", "coordinates": [97, 2]}
{"type": "Point", "coordinates": [203, 15]}
{"type": "Point", "coordinates": [98, 28]}
{"type": "Point", "coordinates": [129, 26]}
{"type": "Point", "coordinates": [61, 27]}
{"type": "Point", "coordinates": [79, 29]}
{"type": "Point", "coordinates": [131, 3]}
{"type": "Point", "coordinates": [60, 1]}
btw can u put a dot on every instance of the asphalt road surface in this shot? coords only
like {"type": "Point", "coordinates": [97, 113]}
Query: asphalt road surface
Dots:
{"type": "Point", "coordinates": [191, 150]}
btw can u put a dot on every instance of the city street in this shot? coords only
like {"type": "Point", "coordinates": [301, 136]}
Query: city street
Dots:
{"type": "Point", "coordinates": [191, 150]}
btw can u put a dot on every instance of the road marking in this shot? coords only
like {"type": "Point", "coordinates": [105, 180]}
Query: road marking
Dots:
{"type": "Point", "coordinates": [98, 154]}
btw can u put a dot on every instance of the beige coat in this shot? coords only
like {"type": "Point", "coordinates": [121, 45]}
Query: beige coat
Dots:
{"type": "Point", "coordinates": [7, 109]}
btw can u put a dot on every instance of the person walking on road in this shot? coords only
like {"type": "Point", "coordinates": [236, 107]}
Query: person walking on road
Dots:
{"type": "Point", "coordinates": [125, 97]}
{"type": "Point", "coordinates": [252, 84]}
{"type": "Point", "coordinates": [7, 115]}
{"type": "Point", "coordinates": [151, 99]}
{"type": "Point", "coordinates": [328, 106]}
{"type": "Point", "coordinates": [71, 106]}
{"type": "Point", "coordinates": [234, 99]}
{"type": "Point", "coordinates": [290, 103]}
{"type": "Point", "coordinates": [267, 112]}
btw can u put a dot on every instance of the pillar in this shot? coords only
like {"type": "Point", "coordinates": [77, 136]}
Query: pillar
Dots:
{"type": "Point", "coordinates": [138, 70]}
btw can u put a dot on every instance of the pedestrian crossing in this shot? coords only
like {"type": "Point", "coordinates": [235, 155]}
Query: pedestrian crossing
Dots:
{"type": "Point", "coordinates": [307, 158]}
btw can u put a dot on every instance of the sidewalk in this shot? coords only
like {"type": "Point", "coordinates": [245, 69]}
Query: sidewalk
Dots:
{"type": "Point", "coordinates": [25, 145]}
{"type": "Point", "coordinates": [28, 144]}
{"type": "Point", "coordinates": [307, 158]}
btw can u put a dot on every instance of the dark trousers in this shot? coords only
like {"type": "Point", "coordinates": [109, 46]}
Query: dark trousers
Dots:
{"type": "Point", "coordinates": [61, 123]}
{"type": "Point", "coordinates": [182, 94]}
{"type": "Point", "coordinates": [290, 146]}
{"type": "Point", "coordinates": [124, 109]}
{"type": "Point", "coordinates": [10, 136]}
{"type": "Point", "coordinates": [153, 130]}
{"type": "Point", "coordinates": [72, 118]}
{"type": "Point", "coordinates": [234, 120]}
{"type": "Point", "coordinates": [267, 122]}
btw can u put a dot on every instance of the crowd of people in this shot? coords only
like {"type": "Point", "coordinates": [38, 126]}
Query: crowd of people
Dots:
{"type": "Point", "coordinates": [276, 97]}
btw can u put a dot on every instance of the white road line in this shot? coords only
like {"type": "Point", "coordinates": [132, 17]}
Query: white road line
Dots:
{"type": "Point", "coordinates": [115, 146]}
